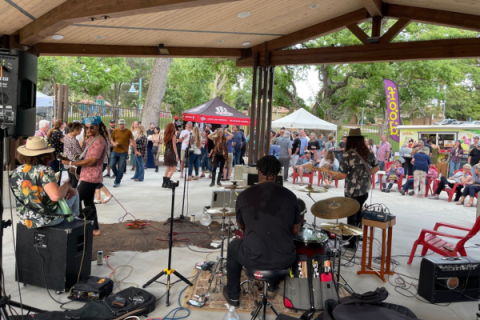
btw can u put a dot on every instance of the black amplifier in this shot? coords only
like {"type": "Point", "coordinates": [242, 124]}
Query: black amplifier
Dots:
{"type": "Point", "coordinates": [60, 248]}
{"type": "Point", "coordinates": [449, 279]}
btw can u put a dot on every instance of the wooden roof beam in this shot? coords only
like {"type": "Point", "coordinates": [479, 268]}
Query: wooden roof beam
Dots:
{"type": "Point", "coordinates": [433, 16]}
{"type": "Point", "coordinates": [77, 11]}
{"type": "Point", "coordinates": [92, 50]}
{"type": "Point", "coordinates": [315, 31]}
{"type": "Point", "coordinates": [374, 7]}
{"type": "Point", "coordinates": [358, 32]}
{"type": "Point", "coordinates": [404, 51]}
{"type": "Point", "coordinates": [394, 30]}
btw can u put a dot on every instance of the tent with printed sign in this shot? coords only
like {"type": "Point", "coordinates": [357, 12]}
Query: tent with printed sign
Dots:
{"type": "Point", "coordinates": [216, 111]}
{"type": "Point", "coordinates": [302, 119]}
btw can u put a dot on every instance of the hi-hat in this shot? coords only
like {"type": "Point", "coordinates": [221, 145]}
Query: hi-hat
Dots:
{"type": "Point", "coordinates": [335, 208]}
{"type": "Point", "coordinates": [221, 212]}
{"type": "Point", "coordinates": [309, 189]}
{"type": "Point", "coordinates": [341, 229]}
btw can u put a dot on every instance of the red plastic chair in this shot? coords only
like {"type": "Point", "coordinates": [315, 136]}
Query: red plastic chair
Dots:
{"type": "Point", "coordinates": [447, 189]}
{"type": "Point", "coordinates": [322, 178]}
{"type": "Point", "coordinates": [296, 175]}
{"type": "Point", "coordinates": [430, 240]}
{"type": "Point", "coordinates": [399, 180]}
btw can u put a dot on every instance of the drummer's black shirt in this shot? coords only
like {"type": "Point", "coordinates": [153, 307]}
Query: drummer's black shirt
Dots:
{"type": "Point", "coordinates": [269, 212]}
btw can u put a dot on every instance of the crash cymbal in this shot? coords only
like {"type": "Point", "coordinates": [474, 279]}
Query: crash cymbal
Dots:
{"type": "Point", "coordinates": [341, 229]}
{"type": "Point", "coordinates": [220, 212]}
{"type": "Point", "coordinates": [309, 189]}
{"type": "Point", "coordinates": [335, 208]}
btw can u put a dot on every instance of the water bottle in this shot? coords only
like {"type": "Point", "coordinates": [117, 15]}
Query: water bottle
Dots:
{"type": "Point", "coordinates": [231, 313]}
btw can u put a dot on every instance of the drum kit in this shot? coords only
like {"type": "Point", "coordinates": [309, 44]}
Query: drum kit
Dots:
{"type": "Point", "coordinates": [310, 240]}
{"type": "Point", "coordinates": [313, 239]}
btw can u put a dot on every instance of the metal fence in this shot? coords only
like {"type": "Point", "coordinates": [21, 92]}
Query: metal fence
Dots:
{"type": "Point", "coordinates": [370, 132]}
{"type": "Point", "coordinates": [78, 111]}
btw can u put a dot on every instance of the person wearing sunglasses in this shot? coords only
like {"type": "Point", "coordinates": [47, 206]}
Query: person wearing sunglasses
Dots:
{"type": "Point", "coordinates": [91, 174]}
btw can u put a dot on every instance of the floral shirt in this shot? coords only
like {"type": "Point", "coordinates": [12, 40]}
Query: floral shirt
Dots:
{"type": "Point", "coordinates": [41, 133]}
{"type": "Point", "coordinates": [382, 151]}
{"type": "Point", "coordinates": [358, 177]}
{"type": "Point", "coordinates": [142, 145]}
{"type": "Point", "coordinates": [33, 204]}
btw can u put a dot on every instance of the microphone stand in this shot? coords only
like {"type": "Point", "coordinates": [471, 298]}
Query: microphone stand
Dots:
{"type": "Point", "coordinates": [168, 271]}
{"type": "Point", "coordinates": [182, 217]}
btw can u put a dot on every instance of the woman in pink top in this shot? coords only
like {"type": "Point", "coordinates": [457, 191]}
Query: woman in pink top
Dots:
{"type": "Point", "coordinates": [92, 165]}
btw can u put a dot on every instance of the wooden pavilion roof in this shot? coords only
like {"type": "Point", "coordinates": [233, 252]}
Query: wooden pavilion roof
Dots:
{"type": "Point", "coordinates": [213, 28]}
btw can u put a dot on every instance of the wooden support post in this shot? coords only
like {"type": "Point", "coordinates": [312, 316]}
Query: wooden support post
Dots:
{"type": "Point", "coordinates": [271, 79]}
{"type": "Point", "coordinates": [66, 105]}
{"type": "Point", "coordinates": [253, 110]}
{"type": "Point", "coordinates": [264, 135]}
{"type": "Point", "coordinates": [257, 132]}
{"type": "Point", "coordinates": [376, 26]}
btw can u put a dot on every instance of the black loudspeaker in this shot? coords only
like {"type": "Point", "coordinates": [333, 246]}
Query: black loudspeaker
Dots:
{"type": "Point", "coordinates": [449, 279]}
{"type": "Point", "coordinates": [61, 246]}
{"type": "Point", "coordinates": [18, 92]}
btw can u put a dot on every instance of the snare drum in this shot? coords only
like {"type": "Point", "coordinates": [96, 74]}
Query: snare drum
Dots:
{"type": "Point", "coordinates": [310, 242]}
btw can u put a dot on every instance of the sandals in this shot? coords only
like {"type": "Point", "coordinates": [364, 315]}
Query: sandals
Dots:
{"type": "Point", "coordinates": [97, 201]}
{"type": "Point", "coordinates": [460, 203]}
{"type": "Point", "coordinates": [107, 199]}
{"type": "Point", "coordinates": [468, 205]}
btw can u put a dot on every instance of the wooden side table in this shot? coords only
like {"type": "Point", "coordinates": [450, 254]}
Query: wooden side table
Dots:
{"type": "Point", "coordinates": [384, 270]}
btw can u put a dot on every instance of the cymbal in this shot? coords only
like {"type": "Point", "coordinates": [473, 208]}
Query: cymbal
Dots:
{"type": "Point", "coordinates": [335, 208]}
{"type": "Point", "coordinates": [234, 187]}
{"type": "Point", "coordinates": [220, 212]}
{"type": "Point", "coordinates": [341, 229]}
{"type": "Point", "coordinates": [309, 189]}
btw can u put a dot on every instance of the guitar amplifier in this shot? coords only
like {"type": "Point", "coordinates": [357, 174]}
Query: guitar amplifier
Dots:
{"type": "Point", "coordinates": [62, 248]}
{"type": "Point", "coordinates": [449, 279]}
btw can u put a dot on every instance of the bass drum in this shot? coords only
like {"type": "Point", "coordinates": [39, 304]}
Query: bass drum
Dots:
{"type": "Point", "coordinates": [310, 242]}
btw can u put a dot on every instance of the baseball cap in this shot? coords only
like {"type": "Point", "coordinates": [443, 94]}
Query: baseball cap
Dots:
{"type": "Point", "coordinates": [121, 121]}
{"type": "Point", "coordinates": [282, 128]}
{"type": "Point", "coordinates": [475, 137]}
{"type": "Point", "coordinates": [113, 121]}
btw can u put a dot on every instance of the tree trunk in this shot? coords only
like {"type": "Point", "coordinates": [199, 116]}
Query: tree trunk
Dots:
{"type": "Point", "coordinates": [156, 91]}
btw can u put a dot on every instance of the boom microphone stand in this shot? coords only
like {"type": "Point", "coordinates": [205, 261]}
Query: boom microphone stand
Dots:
{"type": "Point", "coordinates": [168, 271]}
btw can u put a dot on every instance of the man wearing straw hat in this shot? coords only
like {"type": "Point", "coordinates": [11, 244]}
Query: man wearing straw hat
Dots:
{"type": "Point", "coordinates": [39, 198]}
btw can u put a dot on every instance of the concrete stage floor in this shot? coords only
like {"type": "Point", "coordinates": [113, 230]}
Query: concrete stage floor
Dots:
{"type": "Point", "coordinates": [147, 200]}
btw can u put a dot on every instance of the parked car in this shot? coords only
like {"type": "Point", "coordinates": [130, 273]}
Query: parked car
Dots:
{"type": "Point", "coordinates": [445, 122]}
{"type": "Point", "coordinates": [458, 123]}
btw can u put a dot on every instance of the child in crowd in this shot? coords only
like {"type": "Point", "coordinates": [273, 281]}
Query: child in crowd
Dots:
{"type": "Point", "coordinates": [392, 175]}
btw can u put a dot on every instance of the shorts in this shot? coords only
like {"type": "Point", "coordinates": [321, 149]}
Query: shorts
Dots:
{"type": "Point", "coordinates": [230, 160]}
{"type": "Point", "coordinates": [182, 155]}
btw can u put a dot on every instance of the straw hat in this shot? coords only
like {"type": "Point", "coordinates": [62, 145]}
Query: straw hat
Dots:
{"type": "Point", "coordinates": [35, 146]}
{"type": "Point", "coordinates": [355, 133]}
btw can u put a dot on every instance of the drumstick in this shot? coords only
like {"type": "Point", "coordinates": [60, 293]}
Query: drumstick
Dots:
{"type": "Point", "coordinates": [304, 269]}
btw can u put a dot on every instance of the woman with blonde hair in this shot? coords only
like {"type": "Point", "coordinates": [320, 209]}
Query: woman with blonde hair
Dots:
{"type": "Point", "coordinates": [331, 163]}
{"type": "Point", "coordinates": [170, 156]}
{"type": "Point", "coordinates": [157, 140]}
{"type": "Point", "coordinates": [141, 142]}
{"type": "Point", "coordinates": [194, 152]}
{"type": "Point", "coordinates": [133, 128]}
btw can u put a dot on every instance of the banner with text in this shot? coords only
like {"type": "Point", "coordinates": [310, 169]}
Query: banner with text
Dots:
{"type": "Point", "coordinates": [393, 109]}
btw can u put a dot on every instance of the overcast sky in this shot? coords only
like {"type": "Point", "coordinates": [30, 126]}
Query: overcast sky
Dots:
{"type": "Point", "coordinates": [307, 89]}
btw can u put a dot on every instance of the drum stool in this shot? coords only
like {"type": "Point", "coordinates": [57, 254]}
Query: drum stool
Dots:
{"type": "Point", "coordinates": [265, 276]}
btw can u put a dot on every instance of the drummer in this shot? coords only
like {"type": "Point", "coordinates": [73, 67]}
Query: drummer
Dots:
{"type": "Point", "coordinates": [357, 166]}
{"type": "Point", "coordinates": [269, 215]}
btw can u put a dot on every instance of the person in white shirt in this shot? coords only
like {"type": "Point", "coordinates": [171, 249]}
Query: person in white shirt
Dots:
{"type": "Point", "coordinates": [184, 138]}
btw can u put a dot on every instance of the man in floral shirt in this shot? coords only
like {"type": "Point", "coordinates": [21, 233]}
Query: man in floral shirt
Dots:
{"type": "Point", "coordinates": [40, 201]}
{"type": "Point", "coordinates": [43, 127]}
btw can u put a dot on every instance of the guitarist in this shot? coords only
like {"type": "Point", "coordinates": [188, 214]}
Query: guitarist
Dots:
{"type": "Point", "coordinates": [92, 164]}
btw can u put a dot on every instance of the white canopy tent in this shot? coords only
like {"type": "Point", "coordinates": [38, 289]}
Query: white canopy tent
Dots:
{"type": "Point", "coordinates": [302, 119]}
{"type": "Point", "coordinates": [43, 100]}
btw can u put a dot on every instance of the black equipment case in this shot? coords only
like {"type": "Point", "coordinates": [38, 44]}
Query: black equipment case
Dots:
{"type": "Point", "coordinates": [138, 302]}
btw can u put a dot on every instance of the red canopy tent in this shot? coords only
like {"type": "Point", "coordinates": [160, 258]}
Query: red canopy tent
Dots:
{"type": "Point", "coordinates": [216, 111]}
